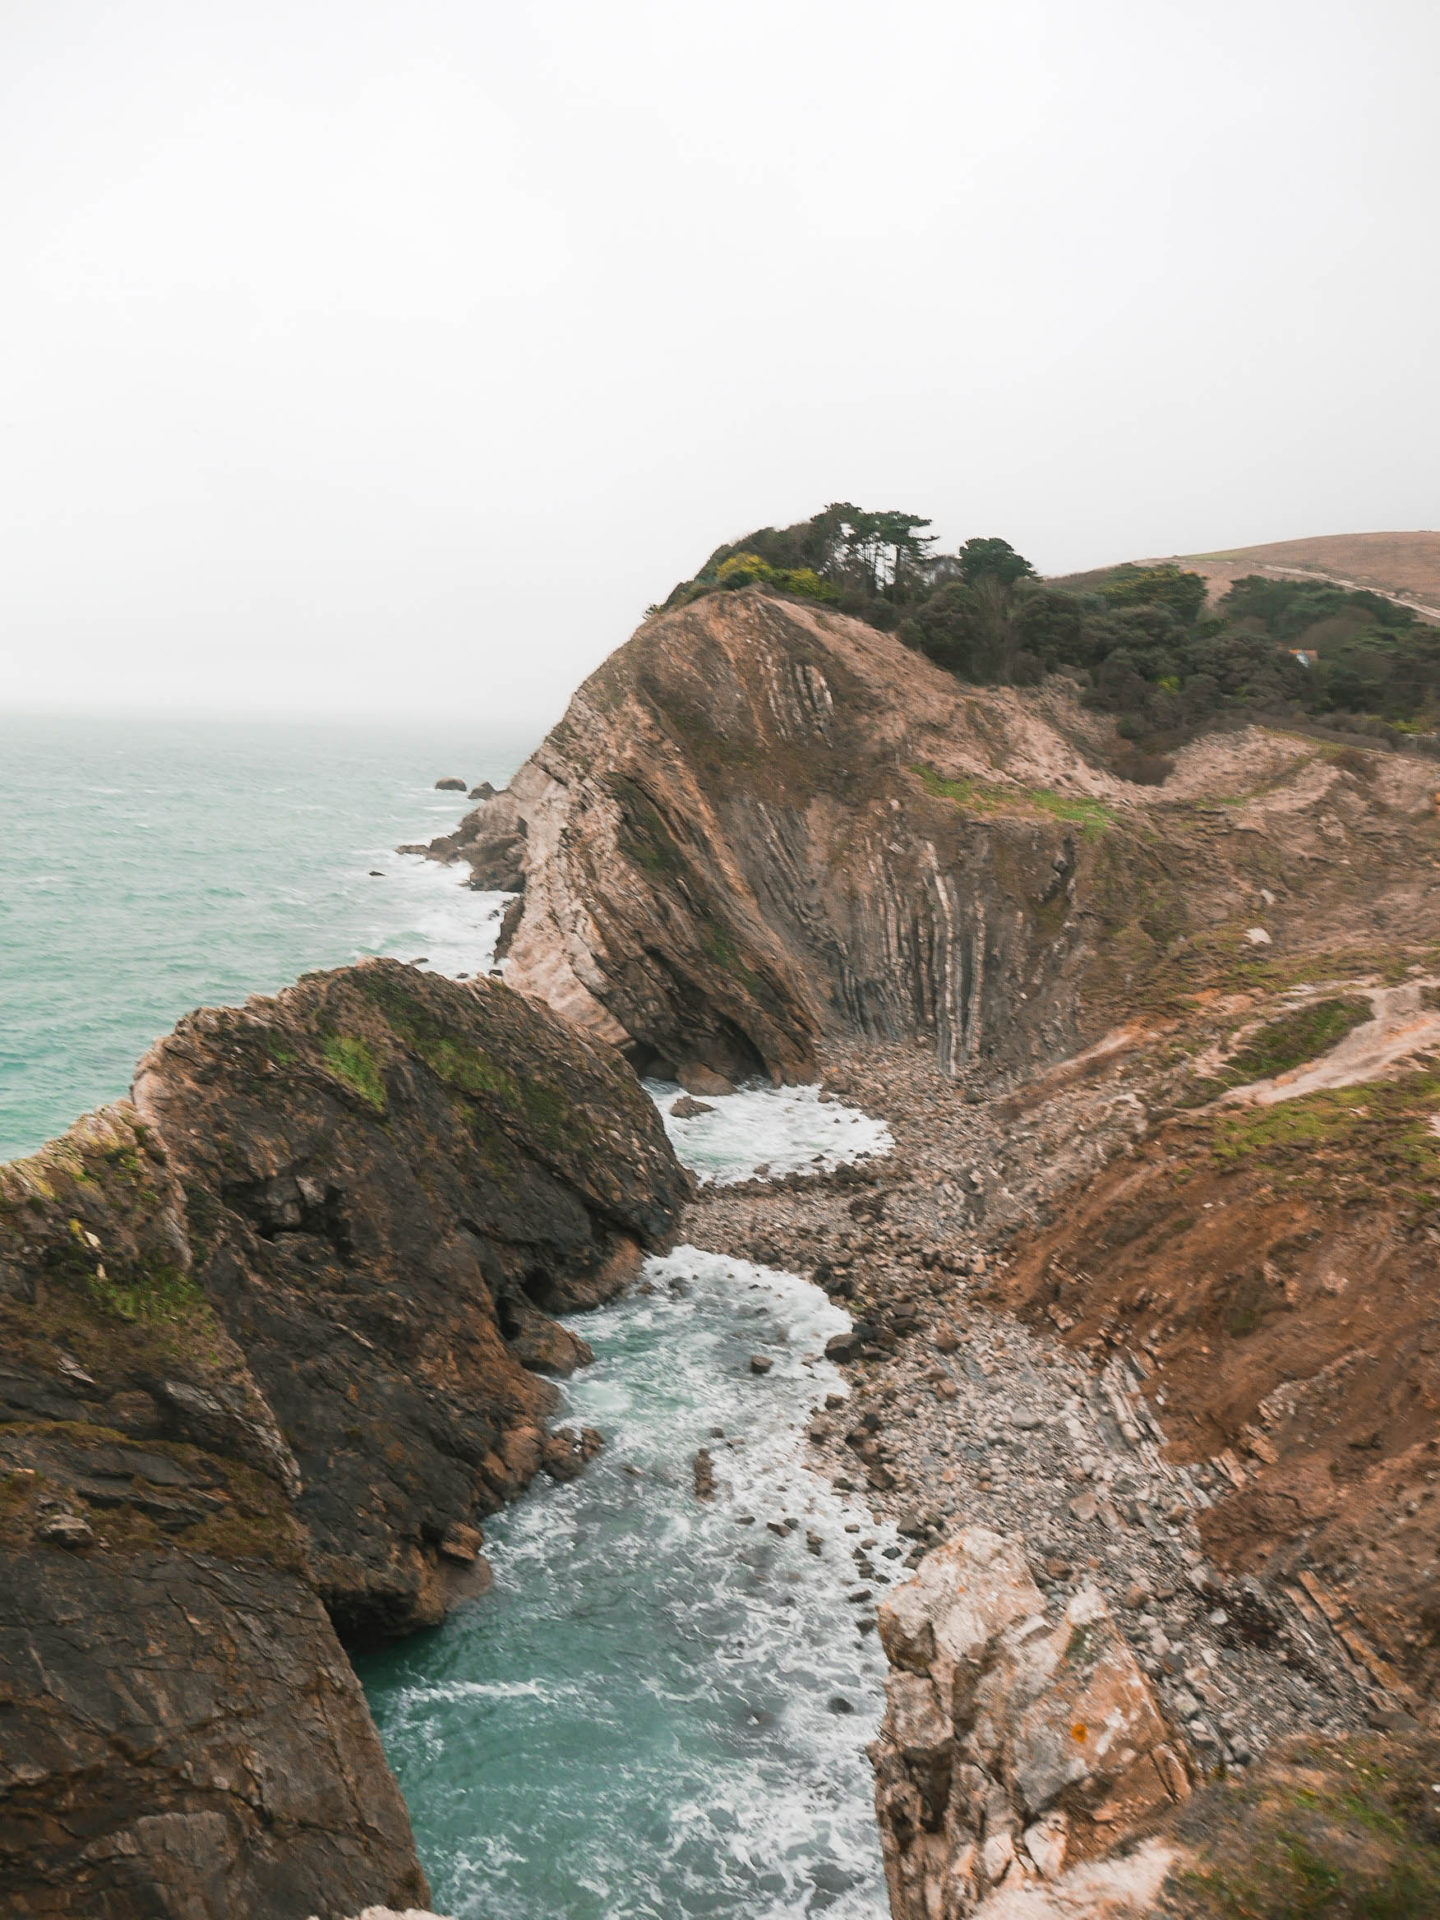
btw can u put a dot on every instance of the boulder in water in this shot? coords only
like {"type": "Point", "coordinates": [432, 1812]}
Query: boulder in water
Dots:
{"type": "Point", "coordinates": [695, 1077]}
{"type": "Point", "coordinates": [451, 784]}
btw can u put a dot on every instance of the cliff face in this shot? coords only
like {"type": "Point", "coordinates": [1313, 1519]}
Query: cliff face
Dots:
{"type": "Point", "coordinates": [760, 823]}
{"type": "Point", "coordinates": [268, 1336]}
{"type": "Point", "coordinates": [393, 1182]}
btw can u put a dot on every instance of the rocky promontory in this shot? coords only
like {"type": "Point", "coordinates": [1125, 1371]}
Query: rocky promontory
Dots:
{"type": "Point", "coordinates": [276, 1335]}
{"type": "Point", "coordinates": [761, 824]}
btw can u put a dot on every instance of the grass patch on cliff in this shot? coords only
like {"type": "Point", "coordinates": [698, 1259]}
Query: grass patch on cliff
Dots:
{"type": "Point", "coordinates": [1296, 1037]}
{"type": "Point", "coordinates": [1303, 1034]}
{"type": "Point", "coordinates": [1336, 1830]}
{"type": "Point", "coordinates": [151, 1297]}
{"type": "Point", "coordinates": [1348, 1144]}
{"type": "Point", "coordinates": [1092, 816]}
{"type": "Point", "coordinates": [354, 1065]}
{"type": "Point", "coordinates": [466, 1068]}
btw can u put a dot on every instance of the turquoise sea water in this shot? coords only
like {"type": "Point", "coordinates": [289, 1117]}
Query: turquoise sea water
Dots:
{"type": "Point", "coordinates": [152, 866]}
{"type": "Point", "coordinates": [661, 1709]}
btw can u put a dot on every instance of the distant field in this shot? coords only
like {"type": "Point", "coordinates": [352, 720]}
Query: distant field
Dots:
{"type": "Point", "coordinates": [1403, 566]}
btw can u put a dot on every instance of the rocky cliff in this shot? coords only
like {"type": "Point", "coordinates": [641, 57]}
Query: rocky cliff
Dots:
{"type": "Point", "coordinates": [1016, 1746]}
{"type": "Point", "coordinates": [271, 1334]}
{"type": "Point", "coordinates": [760, 824]}
{"type": "Point", "coordinates": [1024, 1771]}
{"type": "Point", "coordinates": [1179, 1109]}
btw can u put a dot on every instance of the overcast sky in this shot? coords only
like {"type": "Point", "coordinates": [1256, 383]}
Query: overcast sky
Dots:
{"type": "Point", "coordinates": [391, 355]}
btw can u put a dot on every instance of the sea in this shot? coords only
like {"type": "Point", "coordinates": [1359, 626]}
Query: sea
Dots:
{"type": "Point", "coordinates": [661, 1708]}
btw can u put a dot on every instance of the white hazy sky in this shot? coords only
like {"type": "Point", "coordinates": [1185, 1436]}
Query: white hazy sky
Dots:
{"type": "Point", "coordinates": [391, 355]}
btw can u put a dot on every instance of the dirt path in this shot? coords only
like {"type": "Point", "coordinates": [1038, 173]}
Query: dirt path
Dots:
{"type": "Point", "coordinates": [1405, 1024]}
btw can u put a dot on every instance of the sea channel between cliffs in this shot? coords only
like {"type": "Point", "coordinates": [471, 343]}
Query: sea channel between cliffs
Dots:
{"type": "Point", "coordinates": [662, 1705]}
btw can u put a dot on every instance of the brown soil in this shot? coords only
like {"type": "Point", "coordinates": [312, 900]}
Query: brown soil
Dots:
{"type": "Point", "coordinates": [1275, 1268]}
{"type": "Point", "coordinates": [1403, 566]}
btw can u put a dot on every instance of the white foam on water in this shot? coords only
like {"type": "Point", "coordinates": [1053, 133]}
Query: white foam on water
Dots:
{"type": "Point", "coordinates": [660, 1710]}
{"type": "Point", "coordinates": [424, 909]}
{"type": "Point", "coordinates": [652, 1733]}
{"type": "Point", "coordinates": [780, 1129]}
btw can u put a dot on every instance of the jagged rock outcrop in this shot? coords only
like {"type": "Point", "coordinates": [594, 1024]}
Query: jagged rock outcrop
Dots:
{"type": "Point", "coordinates": [394, 1182]}
{"type": "Point", "coordinates": [265, 1338]}
{"type": "Point", "coordinates": [1016, 1747]}
{"type": "Point", "coordinates": [761, 822]}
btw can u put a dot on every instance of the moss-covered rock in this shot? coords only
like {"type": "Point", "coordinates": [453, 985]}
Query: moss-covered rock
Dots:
{"type": "Point", "coordinates": [265, 1341]}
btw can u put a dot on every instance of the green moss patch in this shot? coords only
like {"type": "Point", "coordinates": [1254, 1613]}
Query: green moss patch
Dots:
{"type": "Point", "coordinates": [353, 1063]}
{"type": "Point", "coordinates": [154, 1296]}
{"type": "Point", "coordinates": [1347, 1144]}
{"type": "Point", "coordinates": [1092, 816]}
{"type": "Point", "coordinates": [1292, 1040]}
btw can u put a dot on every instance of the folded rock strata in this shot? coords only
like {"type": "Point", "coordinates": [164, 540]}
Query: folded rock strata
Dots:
{"type": "Point", "coordinates": [265, 1340]}
{"type": "Point", "coordinates": [761, 823]}
{"type": "Point", "coordinates": [1016, 1746]}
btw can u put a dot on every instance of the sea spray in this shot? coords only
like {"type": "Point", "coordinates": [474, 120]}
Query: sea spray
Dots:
{"type": "Point", "coordinates": [780, 1129]}
{"type": "Point", "coordinates": [662, 1706]}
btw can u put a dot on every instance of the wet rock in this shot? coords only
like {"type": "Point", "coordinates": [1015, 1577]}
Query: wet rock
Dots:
{"type": "Point", "coordinates": [704, 1471]}
{"type": "Point", "coordinates": [569, 1450]}
{"type": "Point", "coordinates": [544, 1346]}
{"type": "Point", "coordinates": [461, 1543]}
{"type": "Point", "coordinates": [451, 784]}
{"type": "Point", "coordinates": [760, 1363]}
{"type": "Point", "coordinates": [297, 1275]}
{"type": "Point", "coordinates": [696, 1078]}
{"type": "Point", "coordinates": [686, 1108]}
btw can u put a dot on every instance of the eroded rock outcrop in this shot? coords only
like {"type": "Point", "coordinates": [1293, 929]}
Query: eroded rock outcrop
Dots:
{"type": "Point", "coordinates": [1016, 1746]}
{"type": "Point", "coordinates": [760, 823]}
{"type": "Point", "coordinates": [394, 1182]}
{"type": "Point", "coordinates": [265, 1339]}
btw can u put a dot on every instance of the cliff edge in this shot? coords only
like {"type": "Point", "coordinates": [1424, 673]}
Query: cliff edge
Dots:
{"type": "Point", "coordinates": [761, 824]}
{"type": "Point", "coordinates": [271, 1333]}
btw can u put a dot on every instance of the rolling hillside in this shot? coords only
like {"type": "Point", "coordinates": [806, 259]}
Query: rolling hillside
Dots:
{"type": "Point", "coordinates": [1405, 567]}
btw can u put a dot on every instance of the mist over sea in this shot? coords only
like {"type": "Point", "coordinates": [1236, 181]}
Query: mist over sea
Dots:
{"type": "Point", "coordinates": [149, 866]}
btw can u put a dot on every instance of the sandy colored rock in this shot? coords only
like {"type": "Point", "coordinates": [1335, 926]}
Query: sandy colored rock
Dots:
{"type": "Point", "coordinates": [1015, 1744]}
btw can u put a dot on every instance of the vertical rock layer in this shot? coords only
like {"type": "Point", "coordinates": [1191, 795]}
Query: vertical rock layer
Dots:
{"type": "Point", "coordinates": [760, 822]}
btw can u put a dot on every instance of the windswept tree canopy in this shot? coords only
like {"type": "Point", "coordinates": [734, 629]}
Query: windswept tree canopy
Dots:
{"type": "Point", "coordinates": [993, 559]}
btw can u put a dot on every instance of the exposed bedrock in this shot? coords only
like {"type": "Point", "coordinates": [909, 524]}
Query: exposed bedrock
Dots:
{"type": "Point", "coordinates": [1016, 1745]}
{"type": "Point", "coordinates": [761, 822]}
{"type": "Point", "coordinates": [268, 1334]}
{"type": "Point", "coordinates": [393, 1183]}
